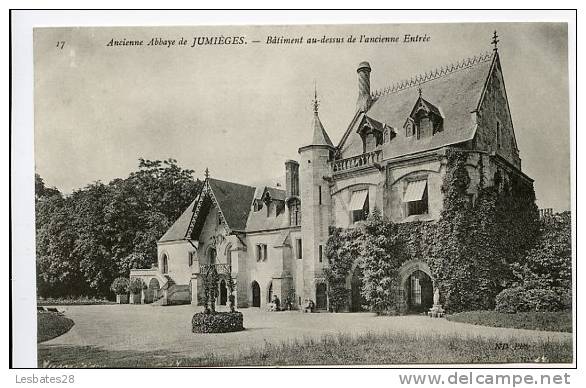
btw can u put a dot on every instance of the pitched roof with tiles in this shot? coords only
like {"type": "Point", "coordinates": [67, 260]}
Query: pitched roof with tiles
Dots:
{"type": "Point", "coordinates": [234, 201]}
{"type": "Point", "coordinates": [179, 228]}
{"type": "Point", "coordinates": [456, 91]}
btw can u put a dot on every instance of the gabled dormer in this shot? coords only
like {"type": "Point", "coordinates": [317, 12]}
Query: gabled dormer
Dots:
{"type": "Point", "coordinates": [374, 133]}
{"type": "Point", "coordinates": [425, 120]}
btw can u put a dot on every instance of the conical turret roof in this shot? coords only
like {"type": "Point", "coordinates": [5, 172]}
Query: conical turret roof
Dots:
{"type": "Point", "coordinates": [320, 136]}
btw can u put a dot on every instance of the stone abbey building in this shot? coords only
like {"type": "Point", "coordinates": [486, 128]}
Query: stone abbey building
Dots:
{"type": "Point", "coordinates": [391, 157]}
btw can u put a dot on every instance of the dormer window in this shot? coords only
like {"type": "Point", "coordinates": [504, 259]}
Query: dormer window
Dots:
{"type": "Point", "coordinates": [372, 134]}
{"type": "Point", "coordinates": [257, 205]}
{"type": "Point", "coordinates": [267, 201]}
{"type": "Point", "coordinates": [425, 120]}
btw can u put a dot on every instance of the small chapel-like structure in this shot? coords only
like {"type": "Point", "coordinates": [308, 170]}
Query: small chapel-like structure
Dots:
{"type": "Point", "coordinates": [392, 156]}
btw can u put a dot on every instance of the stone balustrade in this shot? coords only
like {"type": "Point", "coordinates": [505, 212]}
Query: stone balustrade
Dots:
{"type": "Point", "coordinates": [359, 161]}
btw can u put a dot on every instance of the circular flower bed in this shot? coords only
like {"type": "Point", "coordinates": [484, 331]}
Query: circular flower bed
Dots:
{"type": "Point", "coordinates": [218, 322]}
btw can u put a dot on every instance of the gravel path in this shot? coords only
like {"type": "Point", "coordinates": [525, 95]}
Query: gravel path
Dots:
{"type": "Point", "coordinates": [156, 328]}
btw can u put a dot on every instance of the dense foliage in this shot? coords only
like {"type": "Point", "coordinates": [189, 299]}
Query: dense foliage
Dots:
{"type": "Point", "coordinates": [474, 251]}
{"type": "Point", "coordinates": [217, 322]}
{"type": "Point", "coordinates": [342, 250]}
{"type": "Point", "coordinates": [543, 280]}
{"type": "Point", "coordinates": [87, 239]}
{"type": "Point", "coordinates": [530, 298]}
{"type": "Point", "coordinates": [381, 257]}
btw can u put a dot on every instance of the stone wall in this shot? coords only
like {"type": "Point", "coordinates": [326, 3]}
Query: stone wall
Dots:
{"type": "Point", "coordinates": [177, 258]}
{"type": "Point", "coordinates": [315, 216]}
{"type": "Point", "coordinates": [399, 174]}
{"type": "Point", "coordinates": [495, 109]}
{"type": "Point", "coordinates": [342, 189]}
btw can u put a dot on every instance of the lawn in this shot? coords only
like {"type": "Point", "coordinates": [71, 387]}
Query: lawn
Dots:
{"type": "Point", "coordinates": [145, 335]}
{"type": "Point", "coordinates": [51, 325]}
{"type": "Point", "coordinates": [548, 321]}
{"type": "Point", "coordinates": [340, 349]}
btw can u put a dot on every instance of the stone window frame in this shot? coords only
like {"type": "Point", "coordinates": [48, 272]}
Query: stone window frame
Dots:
{"type": "Point", "coordinates": [499, 135]}
{"type": "Point", "coordinates": [261, 252]}
{"type": "Point", "coordinates": [405, 205]}
{"type": "Point", "coordinates": [164, 263]}
{"type": "Point", "coordinates": [353, 219]}
{"type": "Point", "coordinates": [294, 205]}
{"type": "Point", "coordinates": [299, 249]}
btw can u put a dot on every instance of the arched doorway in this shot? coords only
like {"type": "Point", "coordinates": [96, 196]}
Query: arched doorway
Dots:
{"type": "Point", "coordinates": [153, 291]}
{"type": "Point", "coordinates": [321, 297]}
{"type": "Point", "coordinates": [223, 293]}
{"type": "Point", "coordinates": [255, 294]}
{"type": "Point", "coordinates": [419, 292]}
{"type": "Point", "coordinates": [357, 300]}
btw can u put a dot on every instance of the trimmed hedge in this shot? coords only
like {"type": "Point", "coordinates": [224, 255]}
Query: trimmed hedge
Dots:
{"type": "Point", "coordinates": [51, 325]}
{"type": "Point", "coordinates": [522, 299]}
{"type": "Point", "coordinates": [217, 322]}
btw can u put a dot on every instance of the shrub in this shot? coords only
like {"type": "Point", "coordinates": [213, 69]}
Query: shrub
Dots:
{"type": "Point", "coordinates": [136, 286]}
{"type": "Point", "coordinates": [523, 299]}
{"type": "Point", "coordinates": [120, 286]}
{"type": "Point", "coordinates": [217, 322]}
{"type": "Point", "coordinates": [51, 325]}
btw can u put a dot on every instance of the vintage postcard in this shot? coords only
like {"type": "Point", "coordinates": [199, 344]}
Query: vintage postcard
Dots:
{"type": "Point", "coordinates": [346, 195]}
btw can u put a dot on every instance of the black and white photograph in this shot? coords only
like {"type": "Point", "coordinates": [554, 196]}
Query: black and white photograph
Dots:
{"type": "Point", "coordinates": [388, 194]}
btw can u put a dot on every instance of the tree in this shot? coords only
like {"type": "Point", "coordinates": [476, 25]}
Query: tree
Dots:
{"type": "Point", "coordinates": [549, 263]}
{"type": "Point", "coordinates": [102, 231]}
{"type": "Point", "coordinates": [58, 270]}
{"type": "Point", "coordinates": [43, 191]}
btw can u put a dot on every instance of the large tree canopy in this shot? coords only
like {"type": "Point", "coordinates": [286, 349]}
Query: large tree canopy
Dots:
{"type": "Point", "coordinates": [100, 232]}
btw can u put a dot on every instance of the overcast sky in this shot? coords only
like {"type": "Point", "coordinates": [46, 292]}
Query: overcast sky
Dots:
{"type": "Point", "coordinates": [242, 110]}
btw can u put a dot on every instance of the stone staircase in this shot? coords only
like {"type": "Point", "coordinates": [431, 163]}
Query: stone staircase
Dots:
{"type": "Point", "coordinates": [173, 293]}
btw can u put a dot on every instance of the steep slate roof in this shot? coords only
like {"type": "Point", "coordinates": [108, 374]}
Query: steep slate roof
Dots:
{"type": "Point", "coordinates": [320, 136]}
{"type": "Point", "coordinates": [278, 194]}
{"type": "Point", "coordinates": [234, 201]}
{"type": "Point", "coordinates": [180, 226]}
{"type": "Point", "coordinates": [456, 93]}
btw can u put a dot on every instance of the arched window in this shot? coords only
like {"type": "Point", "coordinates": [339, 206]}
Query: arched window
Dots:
{"type": "Point", "coordinates": [212, 256]}
{"type": "Point", "coordinates": [294, 212]}
{"type": "Point", "coordinates": [165, 263]}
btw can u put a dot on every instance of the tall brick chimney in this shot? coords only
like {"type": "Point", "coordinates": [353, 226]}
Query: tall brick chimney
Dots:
{"type": "Point", "coordinates": [292, 178]}
{"type": "Point", "coordinates": [364, 98]}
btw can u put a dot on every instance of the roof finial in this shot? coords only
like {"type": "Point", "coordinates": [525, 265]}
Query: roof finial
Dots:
{"type": "Point", "coordinates": [315, 100]}
{"type": "Point", "coordinates": [419, 90]}
{"type": "Point", "coordinates": [207, 173]}
{"type": "Point", "coordinates": [495, 41]}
